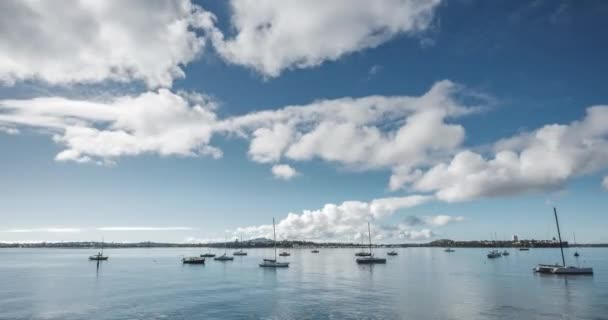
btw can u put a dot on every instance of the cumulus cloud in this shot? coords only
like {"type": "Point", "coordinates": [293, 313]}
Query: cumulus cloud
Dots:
{"type": "Point", "coordinates": [397, 132]}
{"type": "Point", "coordinates": [434, 221]}
{"type": "Point", "coordinates": [541, 160]}
{"type": "Point", "coordinates": [284, 171]}
{"type": "Point", "coordinates": [87, 41]}
{"type": "Point", "coordinates": [270, 36]}
{"type": "Point", "coordinates": [144, 229]}
{"type": "Point", "coordinates": [159, 122]}
{"type": "Point", "coordinates": [344, 221]}
{"type": "Point", "coordinates": [45, 230]}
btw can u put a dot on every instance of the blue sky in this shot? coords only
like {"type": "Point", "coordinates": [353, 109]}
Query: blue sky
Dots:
{"type": "Point", "coordinates": [472, 117]}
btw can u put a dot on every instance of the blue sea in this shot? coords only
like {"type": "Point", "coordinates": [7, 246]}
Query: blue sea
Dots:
{"type": "Point", "coordinates": [419, 283]}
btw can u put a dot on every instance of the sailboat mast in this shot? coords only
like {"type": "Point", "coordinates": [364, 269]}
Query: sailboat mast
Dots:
{"type": "Point", "coordinates": [559, 235]}
{"type": "Point", "coordinates": [274, 233]}
{"type": "Point", "coordinates": [369, 232]}
{"type": "Point", "coordinates": [102, 241]}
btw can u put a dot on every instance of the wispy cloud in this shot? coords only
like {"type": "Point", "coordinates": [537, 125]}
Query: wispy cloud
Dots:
{"type": "Point", "coordinates": [49, 230]}
{"type": "Point", "coordinates": [144, 229]}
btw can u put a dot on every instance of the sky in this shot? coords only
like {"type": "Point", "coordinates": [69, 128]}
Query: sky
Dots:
{"type": "Point", "coordinates": [182, 121]}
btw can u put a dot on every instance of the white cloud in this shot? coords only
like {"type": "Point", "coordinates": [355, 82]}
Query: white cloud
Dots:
{"type": "Point", "coordinates": [284, 171]}
{"type": "Point", "coordinates": [542, 160]}
{"type": "Point", "coordinates": [153, 122]}
{"type": "Point", "coordinates": [88, 41]}
{"type": "Point", "coordinates": [144, 229]}
{"type": "Point", "coordinates": [45, 230]}
{"type": "Point", "coordinates": [344, 221]}
{"type": "Point", "coordinates": [442, 220]}
{"type": "Point", "coordinates": [397, 132]}
{"type": "Point", "coordinates": [605, 183]}
{"type": "Point", "coordinates": [10, 131]}
{"type": "Point", "coordinates": [271, 36]}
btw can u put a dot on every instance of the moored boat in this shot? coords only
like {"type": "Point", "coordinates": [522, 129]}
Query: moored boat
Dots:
{"type": "Point", "coordinates": [370, 259]}
{"type": "Point", "coordinates": [273, 263]}
{"type": "Point", "coordinates": [193, 260]}
{"type": "Point", "coordinates": [562, 269]}
{"type": "Point", "coordinates": [392, 253]}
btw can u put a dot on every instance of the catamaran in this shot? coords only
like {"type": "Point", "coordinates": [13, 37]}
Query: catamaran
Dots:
{"type": "Point", "coordinates": [240, 252]}
{"type": "Point", "coordinates": [561, 269]}
{"type": "Point", "coordinates": [273, 263]}
{"type": "Point", "coordinates": [99, 256]}
{"type": "Point", "coordinates": [225, 256]}
{"type": "Point", "coordinates": [370, 259]}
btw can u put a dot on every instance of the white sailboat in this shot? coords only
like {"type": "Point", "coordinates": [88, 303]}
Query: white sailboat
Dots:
{"type": "Point", "coordinates": [370, 259]}
{"type": "Point", "coordinates": [225, 256]}
{"type": "Point", "coordinates": [561, 269]}
{"type": "Point", "coordinates": [240, 252]}
{"type": "Point", "coordinates": [494, 253]}
{"type": "Point", "coordinates": [273, 263]}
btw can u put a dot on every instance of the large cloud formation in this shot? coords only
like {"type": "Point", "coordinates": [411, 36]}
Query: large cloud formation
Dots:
{"type": "Point", "coordinates": [271, 36]}
{"type": "Point", "coordinates": [65, 42]}
{"type": "Point", "coordinates": [159, 122]}
{"type": "Point", "coordinates": [345, 221]}
{"type": "Point", "coordinates": [541, 160]}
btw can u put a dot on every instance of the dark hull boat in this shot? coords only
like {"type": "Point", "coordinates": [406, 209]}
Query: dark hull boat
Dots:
{"type": "Point", "coordinates": [207, 255]}
{"type": "Point", "coordinates": [392, 253]}
{"type": "Point", "coordinates": [363, 254]}
{"type": "Point", "coordinates": [284, 254]}
{"type": "Point", "coordinates": [98, 257]}
{"type": "Point", "coordinates": [273, 263]}
{"type": "Point", "coordinates": [315, 251]}
{"type": "Point", "coordinates": [193, 260]}
{"type": "Point", "coordinates": [370, 259]}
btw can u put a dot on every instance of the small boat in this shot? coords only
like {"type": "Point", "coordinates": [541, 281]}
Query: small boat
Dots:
{"type": "Point", "coordinates": [284, 254]}
{"type": "Point", "coordinates": [225, 256]}
{"type": "Point", "coordinates": [315, 251]}
{"type": "Point", "coordinates": [273, 263]}
{"type": "Point", "coordinates": [240, 252]}
{"type": "Point", "coordinates": [392, 253]}
{"type": "Point", "coordinates": [576, 254]}
{"type": "Point", "coordinates": [505, 253]}
{"type": "Point", "coordinates": [494, 254]}
{"type": "Point", "coordinates": [561, 269]}
{"type": "Point", "coordinates": [362, 254]}
{"type": "Point", "coordinates": [449, 250]}
{"type": "Point", "coordinates": [524, 249]}
{"type": "Point", "coordinates": [99, 256]}
{"type": "Point", "coordinates": [208, 255]}
{"type": "Point", "coordinates": [193, 260]}
{"type": "Point", "coordinates": [370, 259]}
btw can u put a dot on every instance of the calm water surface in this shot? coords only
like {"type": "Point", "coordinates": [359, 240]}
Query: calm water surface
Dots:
{"type": "Point", "coordinates": [419, 283]}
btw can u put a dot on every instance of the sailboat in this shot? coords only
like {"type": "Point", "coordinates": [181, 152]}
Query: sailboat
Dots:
{"type": "Point", "coordinates": [370, 259]}
{"type": "Point", "coordinates": [576, 254]}
{"type": "Point", "coordinates": [563, 269]}
{"type": "Point", "coordinates": [99, 256]}
{"type": "Point", "coordinates": [193, 260]}
{"type": "Point", "coordinates": [240, 252]}
{"type": "Point", "coordinates": [225, 256]}
{"type": "Point", "coordinates": [273, 263]}
{"type": "Point", "coordinates": [494, 253]}
{"type": "Point", "coordinates": [362, 253]}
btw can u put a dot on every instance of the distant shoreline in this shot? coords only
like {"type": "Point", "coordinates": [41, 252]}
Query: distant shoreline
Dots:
{"type": "Point", "coordinates": [265, 243]}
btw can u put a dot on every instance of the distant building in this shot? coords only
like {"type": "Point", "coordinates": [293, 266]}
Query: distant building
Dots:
{"type": "Point", "coordinates": [515, 238]}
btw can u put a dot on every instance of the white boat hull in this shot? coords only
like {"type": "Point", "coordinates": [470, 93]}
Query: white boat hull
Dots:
{"type": "Point", "coordinates": [555, 269]}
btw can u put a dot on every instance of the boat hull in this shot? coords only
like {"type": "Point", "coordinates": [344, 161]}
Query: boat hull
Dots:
{"type": "Point", "coordinates": [98, 258]}
{"type": "Point", "coordinates": [207, 255]}
{"type": "Point", "coordinates": [223, 259]}
{"type": "Point", "coordinates": [554, 269]}
{"type": "Point", "coordinates": [240, 253]}
{"type": "Point", "coordinates": [193, 261]}
{"type": "Point", "coordinates": [370, 260]}
{"type": "Point", "coordinates": [274, 264]}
